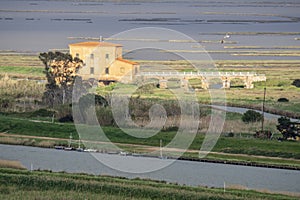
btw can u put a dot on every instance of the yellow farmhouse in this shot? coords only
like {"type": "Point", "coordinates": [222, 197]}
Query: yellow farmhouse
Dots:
{"type": "Point", "coordinates": [103, 61]}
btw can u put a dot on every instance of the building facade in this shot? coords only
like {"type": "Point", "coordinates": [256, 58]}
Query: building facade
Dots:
{"type": "Point", "coordinates": [103, 62]}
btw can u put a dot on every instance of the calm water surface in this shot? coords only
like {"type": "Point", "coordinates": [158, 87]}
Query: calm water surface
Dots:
{"type": "Point", "coordinates": [182, 172]}
{"type": "Point", "coordinates": [42, 25]}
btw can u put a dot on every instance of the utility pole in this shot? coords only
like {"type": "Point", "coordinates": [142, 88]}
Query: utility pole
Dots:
{"type": "Point", "coordinates": [263, 110]}
{"type": "Point", "coordinates": [70, 140]}
{"type": "Point", "coordinates": [160, 148]}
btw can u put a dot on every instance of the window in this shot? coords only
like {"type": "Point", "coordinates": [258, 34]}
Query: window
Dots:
{"type": "Point", "coordinates": [92, 56]}
{"type": "Point", "coordinates": [122, 70]}
{"type": "Point", "coordinates": [92, 70]}
{"type": "Point", "coordinates": [107, 56]}
{"type": "Point", "coordinates": [77, 55]}
{"type": "Point", "coordinates": [107, 70]}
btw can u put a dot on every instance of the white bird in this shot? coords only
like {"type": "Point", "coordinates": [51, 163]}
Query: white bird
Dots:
{"type": "Point", "coordinates": [226, 36]}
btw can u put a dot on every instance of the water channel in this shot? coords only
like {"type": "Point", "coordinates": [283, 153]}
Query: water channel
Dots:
{"type": "Point", "coordinates": [181, 172]}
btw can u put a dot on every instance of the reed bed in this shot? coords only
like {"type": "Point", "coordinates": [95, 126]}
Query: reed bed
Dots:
{"type": "Point", "coordinates": [11, 164]}
{"type": "Point", "coordinates": [17, 89]}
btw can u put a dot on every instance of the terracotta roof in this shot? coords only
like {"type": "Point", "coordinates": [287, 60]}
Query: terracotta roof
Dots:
{"type": "Point", "coordinates": [95, 44]}
{"type": "Point", "coordinates": [127, 61]}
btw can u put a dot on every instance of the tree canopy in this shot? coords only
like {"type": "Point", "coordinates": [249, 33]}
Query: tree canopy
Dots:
{"type": "Point", "coordinates": [296, 82]}
{"type": "Point", "coordinates": [287, 128]}
{"type": "Point", "coordinates": [251, 116]}
{"type": "Point", "coordinates": [60, 70]}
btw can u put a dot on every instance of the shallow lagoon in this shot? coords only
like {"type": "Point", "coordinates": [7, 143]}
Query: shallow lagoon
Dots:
{"type": "Point", "coordinates": [42, 25]}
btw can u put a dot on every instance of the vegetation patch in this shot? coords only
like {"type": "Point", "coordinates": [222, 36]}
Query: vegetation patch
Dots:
{"type": "Point", "coordinates": [38, 184]}
{"type": "Point", "coordinates": [11, 164]}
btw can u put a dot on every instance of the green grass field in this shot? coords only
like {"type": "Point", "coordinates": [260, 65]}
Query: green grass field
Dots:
{"type": "Point", "coordinates": [23, 184]}
{"type": "Point", "coordinates": [280, 75]}
{"type": "Point", "coordinates": [21, 65]}
{"type": "Point", "coordinates": [15, 70]}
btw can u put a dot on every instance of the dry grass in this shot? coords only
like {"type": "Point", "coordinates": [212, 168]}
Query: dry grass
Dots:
{"type": "Point", "coordinates": [11, 164]}
{"type": "Point", "coordinates": [20, 88]}
{"type": "Point", "coordinates": [11, 140]}
{"type": "Point", "coordinates": [236, 187]}
{"type": "Point", "coordinates": [18, 59]}
{"type": "Point", "coordinates": [265, 191]}
{"type": "Point", "coordinates": [18, 141]}
{"type": "Point", "coordinates": [46, 143]}
{"type": "Point", "coordinates": [19, 95]}
{"type": "Point", "coordinates": [238, 126]}
{"type": "Point", "coordinates": [29, 141]}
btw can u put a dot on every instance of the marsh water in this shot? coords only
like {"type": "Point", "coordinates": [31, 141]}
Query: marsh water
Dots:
{"type": "Point", "coordinates": [41, 25]}
{"type": "Point", "coordinates": [182, 172]}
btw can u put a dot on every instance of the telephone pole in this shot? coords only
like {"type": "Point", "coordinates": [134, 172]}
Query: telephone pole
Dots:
{"type": "Point", "coordinates": [263, 110]}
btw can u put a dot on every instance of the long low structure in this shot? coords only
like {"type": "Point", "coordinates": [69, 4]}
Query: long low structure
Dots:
{"type": "Point", "coordinates": [226, 77]}
{"type": "Point", "coordinates": [103, 62]}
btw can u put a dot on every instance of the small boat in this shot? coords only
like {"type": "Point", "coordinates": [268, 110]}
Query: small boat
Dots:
{"type": "Point", "coordinates": [112, 152]}
{"type": "Point", "coordinates": [59, 147]}
{"type": "Point", "coordinates": [123, 153]}
{"type": "Point", "coordinates": [79, 149]}
{"type": "Point", "coordinates": [68, 148]}
{"type": "Point", "coordinates": [90, 150]}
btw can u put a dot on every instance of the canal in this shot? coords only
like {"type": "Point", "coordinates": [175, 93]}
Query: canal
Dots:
{"type": "Point", "coordinates": [181, 172]}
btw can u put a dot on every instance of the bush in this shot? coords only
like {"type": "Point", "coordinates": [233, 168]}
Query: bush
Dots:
{"type": "Point", "coordinates": [67, 118]}
{"type": "Point", "coordinates": [251, 116]}
{"type": "Point", "coordinates": [283, 100]}
{"type": "Point", "coordinates": [63, 110]}
{"type": "Point", "coordinates": [6, 103]}
{"type": "Point", "coordinates": [92, 99]}
{"type": "Point", "coordinates": [172, 128]}
{"type": "Point", "coordinates": [146, 89]}
{"type": "Point", "coordinates": [104, 116]}
{"type": "Point", "coordinates": [296, 82]}
{"type": "Point", "coordinates": [42, 113]}
{"type": "Point", "coordinates": [230, 134]}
